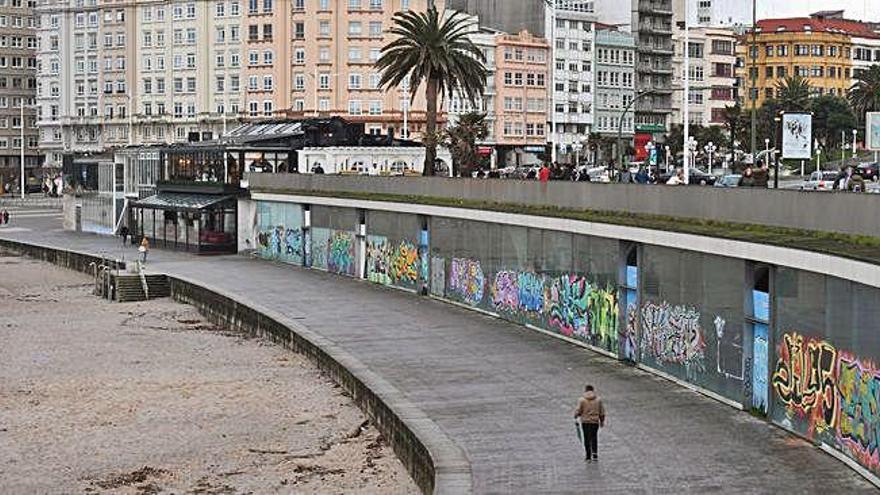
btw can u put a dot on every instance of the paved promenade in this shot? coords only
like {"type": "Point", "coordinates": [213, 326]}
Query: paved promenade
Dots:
{"type": "Point", "coordinates": [505, 394]}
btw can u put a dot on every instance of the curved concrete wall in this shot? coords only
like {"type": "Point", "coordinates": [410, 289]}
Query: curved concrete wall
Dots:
{"type": "Point", "coordinates": [762, 332]}
{"type": "Point", "coordinates": [833, 212]}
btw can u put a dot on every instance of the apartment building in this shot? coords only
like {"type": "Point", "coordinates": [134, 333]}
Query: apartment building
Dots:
{"type": "Point", "coordinates": [521, 81]}
{"type": "Point", "coordinates": [614, 82]}
{"type": "Point", "coordinates": [18, 68]}
{"type": "Point", "coordinates": [568, 25]}
{"type": "Point", "coordinates": [652, 28]}
{"type": "Point", "coordinates": [712, 75]}
{"type": "Point", "coordinates": [818, 49]}
{"type": "Point", "coordinates": [572, 92]}
{"type": "Point", "coordinates": [714, 13]}
{"type": "Point", "coordinates": [163, 71]}
{"type": "Point", "coordinates": [457, 105]}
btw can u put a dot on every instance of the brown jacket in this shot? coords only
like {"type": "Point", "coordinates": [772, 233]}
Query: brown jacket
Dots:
{"type": "Point", "coordinates": [590, 409]}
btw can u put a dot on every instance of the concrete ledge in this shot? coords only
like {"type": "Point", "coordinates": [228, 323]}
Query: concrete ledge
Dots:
{"type": "Point", "coordinates": [435, 463]}
{"type": "Point", "coordinates": [65, 258]}
{"type": "Point", "coordinates": [36, 202]}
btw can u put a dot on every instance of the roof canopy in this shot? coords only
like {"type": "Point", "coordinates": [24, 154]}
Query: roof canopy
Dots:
{"type": "Point", "coordinates": [180, 201]}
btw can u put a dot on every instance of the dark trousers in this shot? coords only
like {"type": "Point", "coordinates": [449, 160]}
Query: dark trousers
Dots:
{"type": "Point", "coordinates": [591, 438]}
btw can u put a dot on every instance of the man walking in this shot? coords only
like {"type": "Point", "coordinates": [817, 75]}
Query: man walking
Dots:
{"type": "Point", "coordinates": [592, 416]}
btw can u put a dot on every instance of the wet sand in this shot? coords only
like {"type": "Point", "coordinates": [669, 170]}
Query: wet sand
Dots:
{"type": "Point", "coordinates": [101, 397]}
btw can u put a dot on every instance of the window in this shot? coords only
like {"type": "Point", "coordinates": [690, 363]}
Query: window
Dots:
{"type": "Point", "coordinates": [375, 53]}
{"type": "Point", "coordinates": [253, 83]}
{"type": "Point", "coordinates": [234, 8]}
{"type": "Point", "coordinates": [354, 28]}
{"type": "Point", "coordinates": [324, 104]}
{"type": "Point", "coordinates": [267, 5]}
{"type": "Point", "coordinates": [268, 57]}
{"type": "Point", "coordinates": [324, 28]}
{"type": "Point", "coordinates": [817, 50]}
{"type": "Point", "coordinates": [324, 81]}
{"type": "Point", "coordinates": [268, 83]}
{"type": "Point", "coordinates": [375, 28]}
{"type": "Point", "coordinates": [375, 107]}
{"type": "Point", "coordinates": [782, 50]}
{"type": "Point", "coordinates": [220, 9]}
{"type": "Point", "coordinates": [354, 54]}
{"type": "Point", "coordinates": [354, 107]}
{"type": "Point", "coordinates": [354, 81]}
{"type": "Point", "coordinates": [253, 57]}
{"type": "Point", "coordinates": [299, 31]}
{"type": "Point", "coordinates": [221, 60]}
{"type": "Point", "coordinates": [374, 80]}
{"type": "Point", "coordinates": [221, 34]}
{"type": "Point", "coordinates": [299, 82]}
{"type": "Point", "coordinates": [267, 32]}
{"type": "Point", "coordinates": [768, 50]}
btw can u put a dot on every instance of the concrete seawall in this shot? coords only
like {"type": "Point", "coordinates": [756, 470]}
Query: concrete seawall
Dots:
{"type": "Point", "coordinates": [435, 463]}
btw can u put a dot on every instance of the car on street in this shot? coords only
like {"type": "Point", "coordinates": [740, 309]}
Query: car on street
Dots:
{"type": "Point", "coordinates": [869, 170]}
{"type": "Point", "coordinates": [820, 181]}
{"type": "Point", "coordinates": [731, 180]}
{"type": "Point", "coordinates": [697, 177]}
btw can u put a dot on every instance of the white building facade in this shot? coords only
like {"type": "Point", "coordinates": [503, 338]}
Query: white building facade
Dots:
{"type": "Point", "coordinates": [712, 75]}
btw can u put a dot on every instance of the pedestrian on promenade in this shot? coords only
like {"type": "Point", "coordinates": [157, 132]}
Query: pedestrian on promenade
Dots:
{"type": "Point", "coordinates": [144, 249]}
{"type": "Point", "coordinates": [591, 413]}
{"type": "Point", "coordinates": [123, 232]}
{"type": "Point", "coordinates": [5, 216]}
{"type": "Point", "coordinates": [544, 174]}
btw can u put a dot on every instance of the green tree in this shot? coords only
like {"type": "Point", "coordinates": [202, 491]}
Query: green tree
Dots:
{"type": "Point", "coordinates": [434, 49]}
{"type": "Point", "coordinates": [831, 116]}
{"type": "Point", "coordinates": [461, 139]}
{"type": "Point", "coordinates": [865, 93]}
{"type": "Point", "coordinates": [793, 93]}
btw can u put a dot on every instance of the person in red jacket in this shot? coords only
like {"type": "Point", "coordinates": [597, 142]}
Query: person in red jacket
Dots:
{"type": "Point", "coordinates": [544, 174]}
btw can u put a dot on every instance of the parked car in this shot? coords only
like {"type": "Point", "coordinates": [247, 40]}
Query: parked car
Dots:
{"type": "Point", "coordinates": [869, 171]}
{"type": "Point", "coordinates": [820, 181]}
{"type": "Point", "coordinates": [697, 177]}
{"type": "Point", "coordinates": [731, 180]}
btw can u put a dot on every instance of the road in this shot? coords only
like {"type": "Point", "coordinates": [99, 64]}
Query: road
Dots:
{"type": "Point", "coordinates": [505, 394]}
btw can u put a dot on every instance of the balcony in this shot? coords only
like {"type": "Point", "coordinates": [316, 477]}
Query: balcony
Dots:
{"type": "Point", "coordinates": [655, 7]}
{"type": "Point", "coordinates": [655, 27]}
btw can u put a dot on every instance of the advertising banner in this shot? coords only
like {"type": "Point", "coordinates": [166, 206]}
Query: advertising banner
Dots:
{"type": "Point", "coordinates": [797, 134]}
{"type": "Point", "coordinates": [872, 131]}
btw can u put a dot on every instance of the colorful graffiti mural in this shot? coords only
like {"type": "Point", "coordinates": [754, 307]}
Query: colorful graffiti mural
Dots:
{"type": "Point", "coordinates": [830, 395]}
{"type": "Point", "coordinates": [466, 280]}
{"type": "Point", "coordinates": [377, 255]}
{"type": "Point", "coordinates": [604, 316]}
{"type": "Point", "coordinates": [340, 252]}
{"type": "Point", "coordinates": [320, 240]}
{"type": "Point", "coordinates": [672, 335]}
{"type": "Point", "coordinates": [403, 266]}
{"type": "Point", "coordinates": [279, 234]}
{"type": "Point", "coordinates": [505, 291]}
{"type": "Point", "coordinates": [629, 337]}
{"type": "Point", "coordinates": [858, 428]}
{"type": "Point", "coordinates": [568, 304]}
{"type": "Point", "coordinates": [804, 380]}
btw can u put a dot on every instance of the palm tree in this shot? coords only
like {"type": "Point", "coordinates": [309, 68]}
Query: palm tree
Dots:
{"type": "Point", "coordinates": [793, 93]}
{"type": "Point", "coordinates": [434, 49]}
{"type": "Point", "coordinates": [864, 96]}
{"type": "Point", "coordinates": [462, 138]}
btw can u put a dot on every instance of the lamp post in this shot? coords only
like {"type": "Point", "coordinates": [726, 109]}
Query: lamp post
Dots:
{"type": "Point", "coordinates": [650, 147]}
{"type": "Point", "coordinates": [855, 135]}
{"type": "Point", "coordinates": [691, 149]}
{"type": "Point", "coordinates": [842, 147]}
{"type": "Point", "coordinates": [710, 148]}
{"type": "Point", "coordinates": [22, 146]}
{"type": "Point", "coordinates": [577, 147]}
{"type": "Point", "coordinates": [637, 96]}
{"type": "Point", "coordinates": [767, 151]}
{"type": "Point", "coordinates": [668, 157]}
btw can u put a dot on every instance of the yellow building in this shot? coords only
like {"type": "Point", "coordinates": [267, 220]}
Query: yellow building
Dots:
{"type": "Point", "coordinates": [817, 49]}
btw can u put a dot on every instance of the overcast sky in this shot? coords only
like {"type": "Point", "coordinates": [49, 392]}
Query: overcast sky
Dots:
{"type": "Point", "coordinates": [855, 9]}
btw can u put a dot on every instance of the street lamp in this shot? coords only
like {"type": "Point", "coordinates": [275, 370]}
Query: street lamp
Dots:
{"type": "Point", "coordinates": [650, 147]}
{"type": "Point", "coordinates": [855, 135]}
{"type": "Point", "coordinates": [668, 157]}
{"type": "Point", "coordinates": [577, 147]}
{"type": "Point", "coordinates": [21, 122]}
{"type": "Point", "coordinates": [690, 154]}
{"type": "Point", "coordinates": [766, 150]}
{"type": "Point", "coordinates": [710, 148]}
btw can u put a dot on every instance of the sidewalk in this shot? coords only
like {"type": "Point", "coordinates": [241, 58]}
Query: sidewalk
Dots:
{"type": "Point", "coordinates": [506, 394]}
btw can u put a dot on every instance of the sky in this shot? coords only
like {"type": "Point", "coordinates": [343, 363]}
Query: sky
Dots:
{"type": "Point", "coordinates": [855, 9]}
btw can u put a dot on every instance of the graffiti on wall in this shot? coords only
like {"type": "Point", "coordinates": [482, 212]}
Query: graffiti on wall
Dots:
{"type": "Point", "coordinates": [672, 334]}
{"type": "Point", "coordinates": [568, 305]}
{"type": "Point", "coordinates": [804, 380]}
{"type": "Point", "coordinates": [403, 266]}
{"type": "Point", "coordinates": [505, 291]}
{"type": "Point", "coordinates": [340, 252]}
{"type": "Point", "coordinates": [377, 255]}
{"type": "Point", "coordinates": [604, 316]}
{"type": "Point", "coordinates": [858, 384]}
{"type": "Point", "coordinates": [320, 240]}
{"type": "Point", "coordinates": [466, 280]}
{"type": "Point", "coordinates": [830, 395]}
{"type": "Point", "coordinates": [629, 332]}
{"type": "Point", "coordinates": [728, 350]}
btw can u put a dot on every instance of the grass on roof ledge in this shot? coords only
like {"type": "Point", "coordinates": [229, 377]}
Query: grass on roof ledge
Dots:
{"type": "Point", "coordinates": [858, 247]}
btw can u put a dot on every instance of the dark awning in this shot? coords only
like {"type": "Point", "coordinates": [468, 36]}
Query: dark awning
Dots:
{"type": "Point", "coordinates": [180, 201]}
